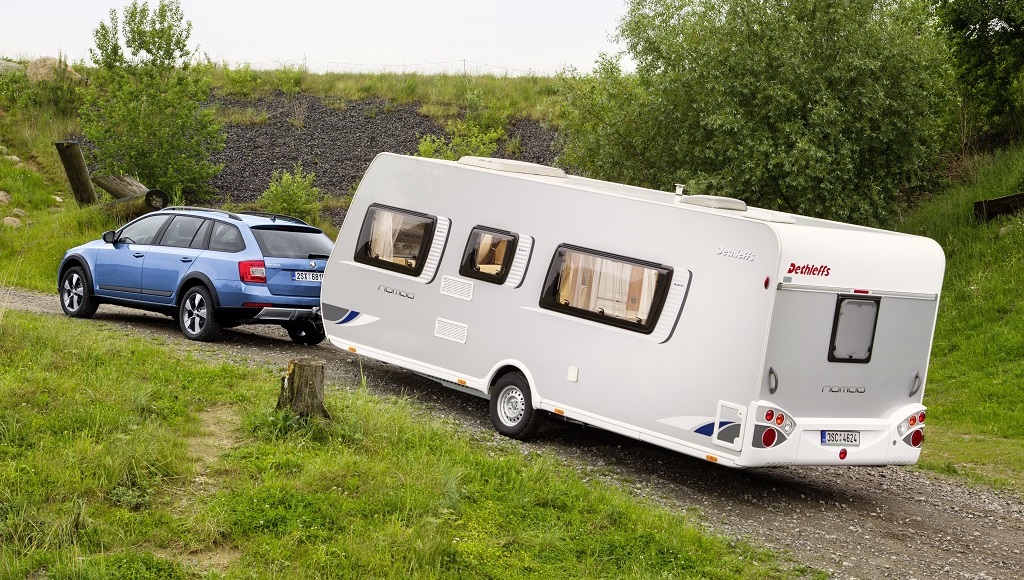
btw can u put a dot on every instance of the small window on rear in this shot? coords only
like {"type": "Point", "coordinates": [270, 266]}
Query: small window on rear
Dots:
{"type": "Point", "coordinates": [292, 242]}
{"type": "Point", "coordinates": [226, 238]}
{"type": "Point", "coordinates": [488, 254]}
{"type": "Point", "coordinates": [395, 239]}
{"type": "Point", "coordinates": [853, 329]}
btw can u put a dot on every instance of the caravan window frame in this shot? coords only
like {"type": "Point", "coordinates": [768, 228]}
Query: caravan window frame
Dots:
{"type": "Point", "coordinates": [840, 301]}
{"type": "Point", "coordinates": [552, 287]}
{"type": "Point", "coordinates": [362, 251]}
{"type": "Point", "coordinates": [469, 268]}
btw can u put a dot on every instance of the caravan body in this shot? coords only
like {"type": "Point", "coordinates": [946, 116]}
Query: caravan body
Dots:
{"type": "Point", "coordinates": [738, 335]}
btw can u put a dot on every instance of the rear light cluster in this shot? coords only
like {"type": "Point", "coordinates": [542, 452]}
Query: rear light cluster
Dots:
{"type": "Point", "coordinates": [912, 429]}
{"type": "Point", "coordinates": [772, 426]}
{"type": "Point", "coordinates": [253, 271]}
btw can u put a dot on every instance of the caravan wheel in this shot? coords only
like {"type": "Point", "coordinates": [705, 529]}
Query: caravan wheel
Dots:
{"type": "Point", "coordinates": [512, 409]}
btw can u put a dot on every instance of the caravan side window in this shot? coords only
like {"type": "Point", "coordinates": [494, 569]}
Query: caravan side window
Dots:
{"type": "Point", "coordinates": [615, 290]}
{"type": "Point", "coordinates": [395, 239]}
{"type": "Point", "coordinates": [853, 329]}
{"type": "Point", "coordinates": [488, 254]}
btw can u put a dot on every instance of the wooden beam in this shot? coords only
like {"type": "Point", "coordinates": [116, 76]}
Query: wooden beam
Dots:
{"type": "Point", "coordinates": [988, 209]}
{"type": "Point", "coordinates": [73, 159]}
{"type": "Point", "coordinates": [119, 186]}
{"type": "Point", "coordinates": [136, 205]}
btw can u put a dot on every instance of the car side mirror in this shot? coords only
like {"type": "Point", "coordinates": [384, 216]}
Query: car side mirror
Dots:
{"type": "Point", "coordinates": [108, 237]}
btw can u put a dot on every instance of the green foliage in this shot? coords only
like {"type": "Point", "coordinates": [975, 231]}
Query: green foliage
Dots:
{"type": "Point", "coordinates": [986, 40]}
{"type": "Point", "coordinates": [467, 138]}
{"type": "Point", "coordinates": [289, 79]}
{"type": "Point", "coordinates": [59, 97]}
{"type": "Point", "coordinates": [829, 109]}
{"type": "Point", "coordinates": [241, 82]}
{"type": "Point", "coordinates": [292, 193]}
{"type": "Point", "coordinates": [144, 111]}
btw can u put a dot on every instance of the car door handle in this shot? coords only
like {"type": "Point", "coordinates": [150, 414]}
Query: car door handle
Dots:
{"type": "Point", "coordinates": [186, 259]}
{"type": "Point", "coordinates": [139, 254]}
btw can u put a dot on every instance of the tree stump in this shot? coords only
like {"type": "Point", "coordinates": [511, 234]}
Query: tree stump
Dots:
{"type": "Point", "coordinates": [302, 388]}
{"type": "Point", "coordinates": [73, 159]}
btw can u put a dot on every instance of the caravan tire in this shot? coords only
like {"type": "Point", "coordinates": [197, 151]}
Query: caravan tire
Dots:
{"type": "Point", "coordinates": [512, 409]}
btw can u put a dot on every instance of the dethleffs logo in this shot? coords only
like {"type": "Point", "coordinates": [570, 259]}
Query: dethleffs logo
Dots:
{"type": "Point", "coordinates": [809, 270]}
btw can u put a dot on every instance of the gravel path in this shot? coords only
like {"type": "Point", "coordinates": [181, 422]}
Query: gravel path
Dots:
{"type": "Point", "coordinates": [885, 522]}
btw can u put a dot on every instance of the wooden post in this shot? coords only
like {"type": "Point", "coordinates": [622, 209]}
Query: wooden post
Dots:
{"type": "Point", "coordinates": [136, 205]}
{"type": "Point", "coordinates": [302, 388]}
{"type": "Point", "coordinates": [119, 186]}
{"type": "Point", "coordinates": [988, 209]}
{"type": "Point", "coordinates": [73, 159]}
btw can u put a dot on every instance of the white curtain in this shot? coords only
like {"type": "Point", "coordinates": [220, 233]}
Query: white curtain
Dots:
{"type": "Point", "coordinates": [386, 227]}
{"type": "Point", "coordinates": [618, 288]}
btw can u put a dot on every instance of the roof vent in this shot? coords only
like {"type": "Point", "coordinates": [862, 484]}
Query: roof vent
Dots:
{"type": "Point", "coordinates": [513, 166]}
{"type": "Point", "coordinates": [712, 201]}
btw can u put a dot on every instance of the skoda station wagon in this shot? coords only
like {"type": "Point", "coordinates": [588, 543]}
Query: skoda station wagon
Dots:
{"type": "Point", "coordinates": [207, 268]}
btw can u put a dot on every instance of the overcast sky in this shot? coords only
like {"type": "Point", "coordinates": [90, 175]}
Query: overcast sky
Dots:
{"type": "Point", "coordinates": [485, 36]}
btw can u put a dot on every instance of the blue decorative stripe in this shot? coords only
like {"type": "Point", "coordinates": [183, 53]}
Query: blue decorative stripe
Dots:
{"type": "Point", "coordinates": [352, 315]}
{"type": "Point", "coordinates": [708, 428]}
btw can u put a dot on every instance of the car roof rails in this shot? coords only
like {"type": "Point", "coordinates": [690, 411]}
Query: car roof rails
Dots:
{"type": "Point", "coordinates": [275, 217]}
{"type": "Point", "coordinates": [193, 208]}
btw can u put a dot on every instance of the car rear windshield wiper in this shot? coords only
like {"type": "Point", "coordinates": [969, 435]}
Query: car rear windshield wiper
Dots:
{"type": "Point", "coordinates": [314, 256]}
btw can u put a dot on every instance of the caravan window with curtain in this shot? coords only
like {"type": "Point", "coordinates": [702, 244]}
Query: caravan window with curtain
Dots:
{"type": "Point", "coordinates": [488, 254]}
{"type": "Point", "coordinates": [395, 239]}
{"type": "Point", "coordinates": [615, 290]}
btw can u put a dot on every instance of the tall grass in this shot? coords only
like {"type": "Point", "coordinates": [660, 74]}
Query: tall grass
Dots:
{"type": "Point", "coordinates": [102, 477]}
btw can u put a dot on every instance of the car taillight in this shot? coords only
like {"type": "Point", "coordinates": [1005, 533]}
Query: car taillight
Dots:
{"type": "Point", "coordinates": [253, 271]}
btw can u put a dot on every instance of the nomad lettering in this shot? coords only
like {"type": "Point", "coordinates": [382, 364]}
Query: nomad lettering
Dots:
{"type": "Point", "coordinates": [396, 292]}
{"type": "Point", "coordinates": [809, 270]}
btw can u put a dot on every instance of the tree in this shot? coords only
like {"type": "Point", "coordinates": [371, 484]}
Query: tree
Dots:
{"type": "Point", "coordinates": [828, 108]}
{"type": "Point", "coordinates": [145, 110]}
{"type": "Point", "coordinates": [987, 38]}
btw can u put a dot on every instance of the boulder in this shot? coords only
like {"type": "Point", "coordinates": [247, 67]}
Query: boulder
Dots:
{"type": "Point", "coordinates": [45, 69]}
{"type": "Point", "coordinates": [19, 213]}
{"type": "Point", "coordinates": [5, 197]}
{"type": "Point", "coordinates": [7, 66]}
{"type": "Point", "coordinates": [12, 222]}
{"type": "Point", "coordinates": [12, 158]}
{"type": "Point", "coordinates": [3, 150]}
{"type": "Point", "coordinates": [57, 198]}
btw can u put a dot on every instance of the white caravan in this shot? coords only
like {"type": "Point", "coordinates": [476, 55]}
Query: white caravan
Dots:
{"type": "Point", "coordinates": [738, 335]}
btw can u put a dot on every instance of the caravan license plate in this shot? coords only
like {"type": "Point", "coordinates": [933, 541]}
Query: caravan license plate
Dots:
{"type": "Point", "coordinates": [308, 276]}
{"type": "Point", "coordinates": [848, 438]}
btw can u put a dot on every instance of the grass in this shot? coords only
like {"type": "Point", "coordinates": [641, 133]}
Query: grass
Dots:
{"type": "Point", "coordinates": [976, 413]}
{"type": "Point", "coordinates": [112, 467]}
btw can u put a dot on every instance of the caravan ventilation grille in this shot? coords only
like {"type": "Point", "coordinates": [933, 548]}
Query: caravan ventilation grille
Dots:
{"type": "Point", "coordinates": [449, 330]}
{"type": "Point", "coordinates": [456, 287]}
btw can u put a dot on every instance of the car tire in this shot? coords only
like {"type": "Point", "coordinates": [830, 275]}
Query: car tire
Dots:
{"type": "Point", "coordinates": [196, 317]}
{"type": "Point", "coordinates": [76, 298]}
{"type": "Point", "coordinates": [306, 332]}
{"type": "Point", "coordinates": [512, 409]}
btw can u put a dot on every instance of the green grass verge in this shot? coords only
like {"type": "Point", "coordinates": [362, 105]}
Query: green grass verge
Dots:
{"type": "Point", "coordinates": [113, 465]}
{"type": "Point", "coordinates": [976, 412]}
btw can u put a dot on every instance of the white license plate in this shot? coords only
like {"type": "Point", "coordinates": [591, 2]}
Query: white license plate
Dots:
{"type": "Point", "coordinates": [849, 438]}
{"type": "Point", "coordinates": [308, 276]}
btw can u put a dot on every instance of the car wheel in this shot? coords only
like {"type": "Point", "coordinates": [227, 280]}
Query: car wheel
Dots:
{"type": "Point", "coordinates": [195, 315]}
{"type": "Point", "coordinates": [512, 409]}
{"type": "Point", "coordinates": [306, 332]}
{"type": "Point", "coordinates": [75, 295]}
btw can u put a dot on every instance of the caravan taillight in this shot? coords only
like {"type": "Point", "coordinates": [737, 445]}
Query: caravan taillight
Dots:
{"type": "Point", "coordinates": [842, 454]}
{"type": "Point", "coordinates": [769, 415]}
{"type": "Point", "coordinates": [769, 437]}
{"type": "Point", "coordinates": [920, 417]}
{"type": "Point", "coordinates": [780, 419]}
{"type": "Point", "coordinates": [917, 438]}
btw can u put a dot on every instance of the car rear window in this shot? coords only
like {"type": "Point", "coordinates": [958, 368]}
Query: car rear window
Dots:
{"type": "Point", "coordinates": [292, 242]}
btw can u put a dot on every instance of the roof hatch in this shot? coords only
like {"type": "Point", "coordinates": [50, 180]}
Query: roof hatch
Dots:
{"type": "Point", "coordinates": [512, 165]}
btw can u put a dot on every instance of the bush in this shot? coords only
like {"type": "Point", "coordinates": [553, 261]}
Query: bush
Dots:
{"type": "Point", "coordinates": [145, 110]}
{"type": "Point", "coordinates": [241, 82]}
{"type": "Point", "coordinates": [830, 108]}
{"type": "Point", "coordinates": [467, 139]}
{"type": "Point", "coordinates": [292, 194]}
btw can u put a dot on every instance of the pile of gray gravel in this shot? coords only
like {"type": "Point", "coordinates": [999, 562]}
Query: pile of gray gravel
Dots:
{"type": "Point", "coordinates": [337, 144]}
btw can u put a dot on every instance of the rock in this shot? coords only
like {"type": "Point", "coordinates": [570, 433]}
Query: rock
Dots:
{"type": "Point", "coordinates": [19, 213]}
{"type": "Point", "coordinates": [1005, 231]}
{"type": "Point", "coordinates": [3, 150]}
{"type": "Point", "coordinates": [7, 66]}
{"type": "Point", "coordinates": [12, 158]}
{"type": "Point", "coordinates": [5, 197]}
{"type": "Point", "coordinates": [45, 69]}
{"type": "Point", "coordinates": [57, 198]}
{"type": "Point", "coordinates": [12, 222]}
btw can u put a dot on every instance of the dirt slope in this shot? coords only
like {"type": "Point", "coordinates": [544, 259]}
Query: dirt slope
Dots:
{"type": "Point", "coordinates": [887, 522]}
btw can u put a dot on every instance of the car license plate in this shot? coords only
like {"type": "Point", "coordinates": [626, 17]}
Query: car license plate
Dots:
{"type": "Point", "coordinates": [849, 438]}
{"type": "Point", "coordinates": [308, 276]}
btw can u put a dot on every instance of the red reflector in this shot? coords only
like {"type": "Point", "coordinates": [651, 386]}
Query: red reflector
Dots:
{"type": "Point", "coordinates": [769, 415]}
{"type": "Point", "coordinates": [780, 419]}
{"type": "Point", "coordinates": [917, 438]}
{"type": "Point", "coordinates": [769, 437]}
{"type": "Point", "coordinates": [257, 304]}
{"type": "Point", "coordinates": [842, 454]}
{"type": "Point", "coordinates": [254, 271]}
{"type": "Point", "coordinates": [920, 417]}
{"type": "Point", "coordinates": [767, 281]}
{"type": "Point", "coordinates": [861, 292]}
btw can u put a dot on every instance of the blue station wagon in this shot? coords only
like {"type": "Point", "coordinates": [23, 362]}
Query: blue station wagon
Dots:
{"type": "Point", "coordinates": [208, 268]}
